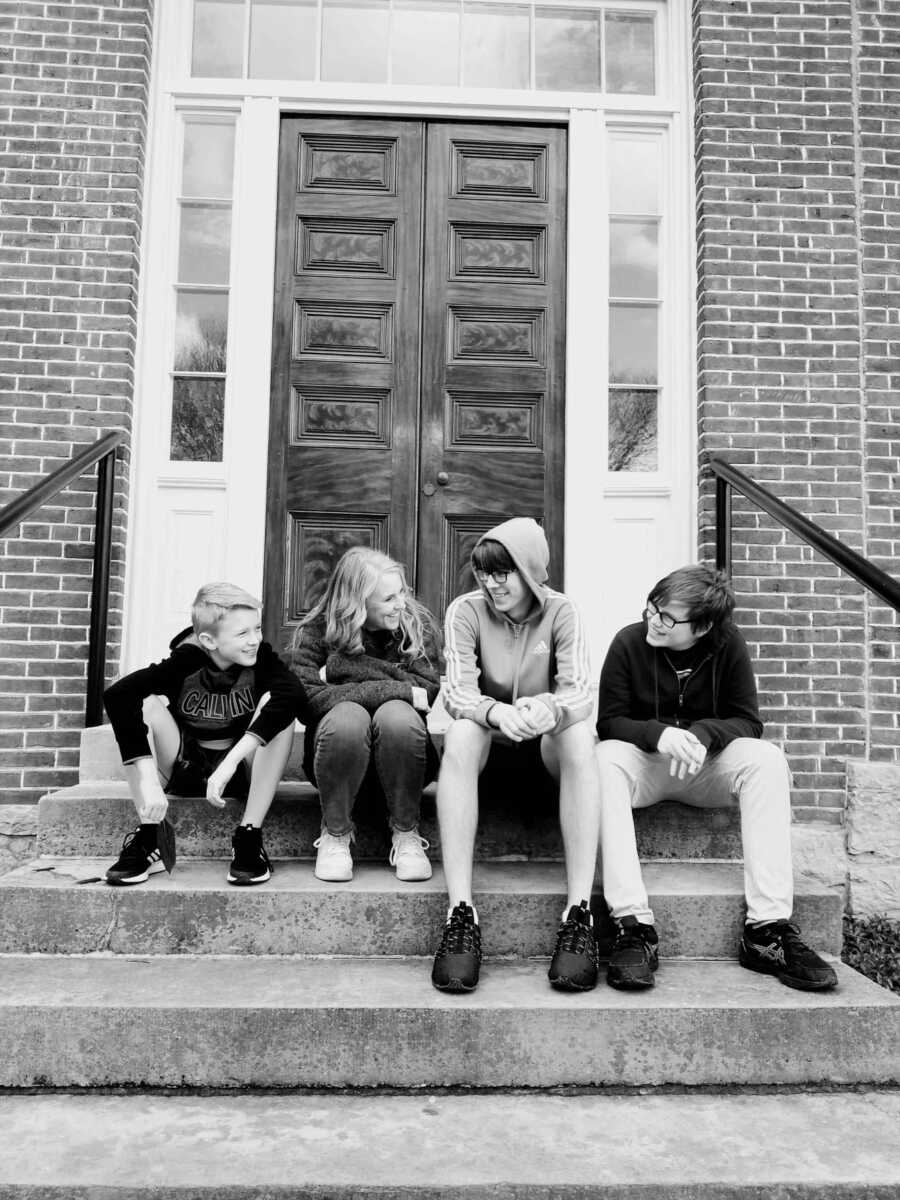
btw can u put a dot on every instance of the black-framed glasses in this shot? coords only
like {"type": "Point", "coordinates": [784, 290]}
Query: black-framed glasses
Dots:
{"type": "Point", "coordinates": [499, 577]}
{"type": "Point", "coordinates": [665, 619]}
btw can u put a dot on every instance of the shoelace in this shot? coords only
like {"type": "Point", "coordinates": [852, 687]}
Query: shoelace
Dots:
{"type": "Point", "coordinates": [630, 939]}
{"type": "Point", "coordinates": [133, 847]}
{"type": "Point", "coordinates": [461, 936]}
{"type": "Point", "coordinates": [407, 841]}
{"type": "Point", "coordinates": [575, 938]}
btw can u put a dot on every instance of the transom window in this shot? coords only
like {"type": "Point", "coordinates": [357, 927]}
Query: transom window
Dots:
{"type": "Point", "coordinates": [549, 46]}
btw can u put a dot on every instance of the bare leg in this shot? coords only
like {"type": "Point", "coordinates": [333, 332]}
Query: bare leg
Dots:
{"type": "Point", "coordinates": [267, 766]}
{"type": "Point", "coordinates": [466, 748]}
{"type": "Point", "coordinates": [569, 757]}
{"type": "Point", "coordinates": [147, 777]}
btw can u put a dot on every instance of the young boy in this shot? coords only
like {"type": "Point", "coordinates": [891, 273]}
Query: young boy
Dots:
{"type": "Point", "coordinates": [227, 730]}
{"type": "Point", "coordinates": [678, 719]}
{"type": "Point", "coordinates": [518, 674]}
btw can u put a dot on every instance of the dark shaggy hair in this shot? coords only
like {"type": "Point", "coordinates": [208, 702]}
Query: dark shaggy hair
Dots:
{"type": "Point", "coordinates": [489, 556]}
{"type": "Point", "coordinates": [707, 595]}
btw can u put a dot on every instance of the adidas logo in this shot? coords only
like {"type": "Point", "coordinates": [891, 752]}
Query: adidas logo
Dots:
{"type": "Point", "coordinates": [541, 648]}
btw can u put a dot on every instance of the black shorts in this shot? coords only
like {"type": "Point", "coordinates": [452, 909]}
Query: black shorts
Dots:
{"type": "Point", "coordinates": [193, 766]}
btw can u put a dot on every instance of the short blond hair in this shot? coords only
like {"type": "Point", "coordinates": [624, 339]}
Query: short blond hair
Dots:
{"type": "Point", "coordinates": [214, 601]}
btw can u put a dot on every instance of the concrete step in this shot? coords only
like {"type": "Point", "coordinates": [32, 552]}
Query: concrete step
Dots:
{"type": "Point", "coordinates": [90, 820]}
{"type": "Point", "coordinates": [50, 906]}
{"type": "Point", "coordinates": [448, 1147]}
{"type": "Point", "coordinates": [230, 1022]}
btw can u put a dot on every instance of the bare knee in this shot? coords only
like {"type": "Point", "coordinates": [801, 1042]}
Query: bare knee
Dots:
{"type": "Point", "coordinates": [466, 746]}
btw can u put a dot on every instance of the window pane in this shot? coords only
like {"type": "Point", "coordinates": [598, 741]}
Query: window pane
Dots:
{"type": "Point", "coordinates": [567, 49]}
{"type": "Point", "coordinates": [198, 408]}
{"type": "Point", "coordinates": [496, 46]}
{"type": "Point", "coordinates": [630, 54]}
{"type": "Point", "coordinates": [633, 258]}
{"type": "Point", "coordinates": [283, 39]}
{"type": "Point", "coordinates": [218, 42]}
{"type": "Point", "coordinates": [632, 344]}
{"type": "Point", "coordinates": [634, 175]}
{"type": "Point", "coordinates": [425, 42]}
{"type": "Point", "coordinates": [355, 40]}
{"type": "Point", "coordinates": [633, 430]}
{"type": "Point", "coordinates": [208, 164]}
{"type": "Point", "coordinates": [201, 330]}
{"type": "Point", "coordinates": [205, 243]}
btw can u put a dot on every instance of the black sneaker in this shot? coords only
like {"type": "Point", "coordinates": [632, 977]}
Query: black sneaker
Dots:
{"type": "Point", "coordinates": [458, 960]}
{"type": "Point", "coordinates": [777, 949]}
{"type": "Point", "coordinates": [635, 955]}
{"type": "Point", "coordinates": [249, 861]}
{"type": "Point", "coordinates": [140, 857]}
{"type": "Point", "coordinates": [573, 967]}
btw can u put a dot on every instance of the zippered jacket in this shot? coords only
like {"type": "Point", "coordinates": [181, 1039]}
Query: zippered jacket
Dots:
{"type": "Point", "coordinates": [491, 658]}
{"type": "Point", "coordinates": [641, 694]}
{"type": "Point", "coordinates": [206, 701]}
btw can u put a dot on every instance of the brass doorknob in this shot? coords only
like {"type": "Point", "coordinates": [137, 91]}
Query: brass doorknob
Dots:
{"type": "Point", "coordinates": [443, 478]}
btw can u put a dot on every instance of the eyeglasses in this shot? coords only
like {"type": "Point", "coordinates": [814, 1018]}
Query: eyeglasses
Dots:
{"type": "Point", "coordinates": [499, 577]}
{"type": "Point", "coordinates": [665, 619]}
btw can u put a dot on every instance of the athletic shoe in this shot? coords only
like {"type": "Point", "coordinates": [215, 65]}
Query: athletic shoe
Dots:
{"type": "Point", "coordinates": [140, 857]}
{"type": "Point", "coordinates": [573, 967]}
{"type": "Point", "coordinates": [777, 949]}
{"type": "Point", "coordinates": [458, 960]}
{"type": "Point", "coordinates": [333, 862]}
{"type": "Point", "coordinates": [409, 857]}
{"type": "Point", "coordinates": [249, 861]}
{"type": "Point", "coordinates": [635, 955]}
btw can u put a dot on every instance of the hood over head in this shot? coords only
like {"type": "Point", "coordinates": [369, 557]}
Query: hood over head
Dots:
{"type": "Point", "coordinates": [526, 544]}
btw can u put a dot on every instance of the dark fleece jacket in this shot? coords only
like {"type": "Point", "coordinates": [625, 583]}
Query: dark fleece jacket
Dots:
{"type": "Point", "coordinates": [640, 693]}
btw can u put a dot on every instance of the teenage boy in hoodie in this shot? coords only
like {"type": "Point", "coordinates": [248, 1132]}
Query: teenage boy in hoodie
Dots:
{"type": "Point", "coordinates": [517, 673]}
{"type": "Point", "coordinates": [678, 719]}
{"type": "Point", "coordinates": [226, 730]}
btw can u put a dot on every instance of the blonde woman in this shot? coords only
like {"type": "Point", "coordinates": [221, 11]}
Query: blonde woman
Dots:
{"type": "Point", "coordinates": [368, 656]}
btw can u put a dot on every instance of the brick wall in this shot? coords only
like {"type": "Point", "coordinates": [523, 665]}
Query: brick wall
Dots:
{"type": "Point", "coordinates": [73, 106]}
{"type": "Point", "coordinates": [788, 389]}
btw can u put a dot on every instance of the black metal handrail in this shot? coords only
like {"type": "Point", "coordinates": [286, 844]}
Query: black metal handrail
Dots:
{"type": "Point", "coordinates": [102, 452]}
{"type": "Point", "coordinates": [863, 571]}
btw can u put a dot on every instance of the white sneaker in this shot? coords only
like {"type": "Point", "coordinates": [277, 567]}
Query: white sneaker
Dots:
{"type": "Point", "coordinates": [333, 862]}
{"type": "Point", "coordinates": [408, 856]}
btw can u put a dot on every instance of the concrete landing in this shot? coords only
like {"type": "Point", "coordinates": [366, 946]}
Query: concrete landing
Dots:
{"type": "Point", "coordinates": [363, 1022]}
{"type": "Point", "coordinates": [685, 1147]}
{"type": "Point", "coordinates": [46, 907]}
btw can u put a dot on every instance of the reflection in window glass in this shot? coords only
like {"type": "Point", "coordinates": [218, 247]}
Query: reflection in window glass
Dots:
{"type": "Point", "coordinates": [201, 331]}
{"type": "Point", "coordinates": [207, 166]}
{"type": "Point", "coordinates": [633, 430]}
{"type": "Point", "coordinates": [567, 49]}
{"type": "Point", "coordinates": [633, 343]}
{"type": "Point", "coordinates": [218, 40]}
{"type": "Point", "coordinates": [355, 40]}
{"type": "Point", "coordinates": [205, 244]}
{"type": "Point", "coordinates": [496, 46]}
{"type": "Point", "coordinates": [283, 39]}
{"type": "Point", "coordinates": [198, 420]}
{"type": "Point", "coordinates": [425, 42]}
{"type": "Point", "coordinates": [634, 174]}
{"type": "Point", "coordinates": [633, 258]}
{"type": "Point", "coordinates": [630, 53]}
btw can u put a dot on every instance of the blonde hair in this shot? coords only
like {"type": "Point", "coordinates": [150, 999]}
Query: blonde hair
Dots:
{"type": "Point", "coordinates": [214, 601]}
{"type": "Point", "coordinates": [343, 605]}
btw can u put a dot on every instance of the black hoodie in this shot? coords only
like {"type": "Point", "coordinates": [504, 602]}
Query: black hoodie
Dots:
{"type": "Point", "coordinates": [640, 693]}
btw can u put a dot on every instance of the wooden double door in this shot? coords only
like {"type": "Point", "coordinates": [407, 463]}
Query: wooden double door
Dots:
{"type": "Point", "coordinates": [419, 348]}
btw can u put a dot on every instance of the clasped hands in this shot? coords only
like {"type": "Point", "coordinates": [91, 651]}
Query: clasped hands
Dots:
{"type": "Point", "coordinates": [686, 753]}
{"type": "Point", "coordinates": [526, 719]}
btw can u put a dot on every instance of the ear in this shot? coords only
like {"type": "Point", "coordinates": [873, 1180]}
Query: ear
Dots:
{"type": "Point", "coordinates": [206, 640]}
{"type": "Point", "coordinates": [704, 630]}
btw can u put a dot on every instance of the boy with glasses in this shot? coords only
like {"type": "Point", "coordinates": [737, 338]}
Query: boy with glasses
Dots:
{"type": "Point", "coordinates": [678, 719]}
{"type": "Point", "coordinates": [517, 674]}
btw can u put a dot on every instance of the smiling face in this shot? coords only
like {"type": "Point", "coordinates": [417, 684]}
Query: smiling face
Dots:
{"type": "Point", "coordinates": [386, 604]}
{"type": "Point", "coordinates": [236, 638]}
{"type": "Point", "coordinates": [681, 636]}
{"type": "Point", "coordinates": [513, 597]}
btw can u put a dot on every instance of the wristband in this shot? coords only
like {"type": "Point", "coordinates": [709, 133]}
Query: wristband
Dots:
{"type": "Point", "coordinates": [487, 716]}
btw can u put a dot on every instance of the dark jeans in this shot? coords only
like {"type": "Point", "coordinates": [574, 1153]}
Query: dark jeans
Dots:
{"type": "Point", "coordinates": [348, 739]}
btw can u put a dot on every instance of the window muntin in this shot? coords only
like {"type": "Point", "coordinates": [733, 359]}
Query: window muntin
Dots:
{"type": "Point", "coordinates": [551, 45]}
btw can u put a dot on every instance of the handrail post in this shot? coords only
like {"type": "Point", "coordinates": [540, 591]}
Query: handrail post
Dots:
{"type": "Point", "coordinates": [723, 525]}
{"type": "Point", "coordinates": [103, 519]}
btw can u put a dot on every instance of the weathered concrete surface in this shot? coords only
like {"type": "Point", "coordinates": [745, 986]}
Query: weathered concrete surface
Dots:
{"type": "Point", "coordinates": [360, 1022]}
{"type": "Point", "coordinates": [90, 820]}
{"type": "Point", "coordinates": [45, 908]}
{"type": "Point", "coordinates": [873, 838]}
{"type": "Point", "coordinates": [18, 834]}
{"type": "Point", "coordinates": [688, 1147]}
